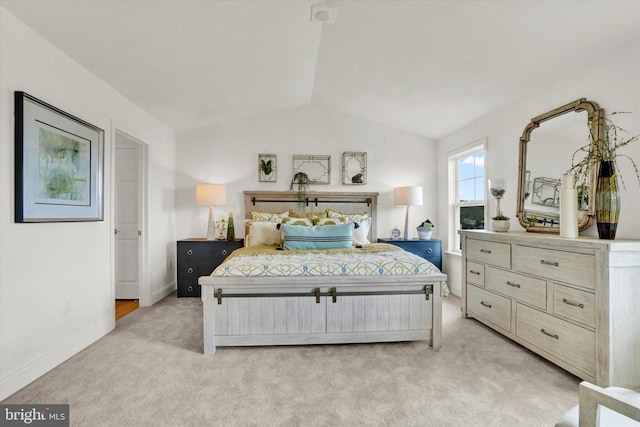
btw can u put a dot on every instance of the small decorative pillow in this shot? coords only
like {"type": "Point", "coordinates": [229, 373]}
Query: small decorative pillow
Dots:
{"type": "Point", "coordinates": [297, 221]}
{"type": "Point", "coordinates": [264, 233]}
{"type": "Point", "coordinates": [317, 237]}
{"type": "Point", "coordinates": [361, 231]}
{"type": "Point", "coordinates": [332, 221]}
{"type": "Point", "coordinates": [268, 216]}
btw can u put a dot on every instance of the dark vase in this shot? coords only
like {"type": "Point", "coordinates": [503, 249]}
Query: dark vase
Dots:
{"type": "Point", "coordinates": [607, 202]}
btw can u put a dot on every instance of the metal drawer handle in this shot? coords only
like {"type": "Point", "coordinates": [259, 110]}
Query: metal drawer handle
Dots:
{"type": "Point", "coordinates": [575, 304]}
{"type": "Point", "coordinates": [189, 252]}
{"type": "Point", "coordinates": [515, 285]}
{"type": "Point", "coordinates": [549, 334]}
{"type": "Point", "coordinates": [224, 252]}
{"type": "Point", "coordinates": [486, 251]}
{"type": "Point", "coordinates": [429, 250]}
{"type": "Point", "coordinates": [474, 272]}
{"type": "Point", "coordinates": [190, 270]}
{"type": "Point", "coordinates": [555, 264]}
{"type": "Point", "coordinates": [485, 304]}
{"type": "Point", "coordinates": [190, 288]}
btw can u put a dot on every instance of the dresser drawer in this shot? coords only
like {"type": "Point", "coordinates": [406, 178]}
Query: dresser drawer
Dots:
{"type": "Point", "coordinates": [494, 308]}
{"type": "Point", "coordinates": [204, 251]}
{"type": "Point", "coordinates": [475, 273]}
{"type": "Point", "coordinates": [569, 342]}
{"type": "Point", "coordinates": [493, 253]}
{"type": "Point", "coordinates": [568, 267]}
{"type": "Point", "coordinates": [523, 288]}
{"type": "Point", "coordinates": [574, 304]}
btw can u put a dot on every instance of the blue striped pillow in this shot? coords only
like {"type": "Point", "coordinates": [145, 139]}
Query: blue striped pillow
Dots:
{"type": "Point", "coordinates": [297, 237]}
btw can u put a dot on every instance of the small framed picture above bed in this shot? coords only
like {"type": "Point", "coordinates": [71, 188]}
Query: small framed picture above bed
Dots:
{"type": "Point", "coordinates": [267, 167]}
{"type": "Point", "coordinates": [317, 167]}
{"type": "Point", "coordinates": [354, 168]}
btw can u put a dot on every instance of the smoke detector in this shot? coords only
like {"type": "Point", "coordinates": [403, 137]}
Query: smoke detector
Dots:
{"type": "Point", "coordinates": [323, 12]}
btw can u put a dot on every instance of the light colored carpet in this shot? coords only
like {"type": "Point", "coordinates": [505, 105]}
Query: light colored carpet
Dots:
{"type": "Point", "coordinates": [151, 371]}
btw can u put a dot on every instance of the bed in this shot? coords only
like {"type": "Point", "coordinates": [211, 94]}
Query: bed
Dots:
{"type": "Point", "coordinates": [263, 295]}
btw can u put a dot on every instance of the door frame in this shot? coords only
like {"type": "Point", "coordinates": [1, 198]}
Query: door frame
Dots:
{"type": "Point", "coordinates": [144, 292]}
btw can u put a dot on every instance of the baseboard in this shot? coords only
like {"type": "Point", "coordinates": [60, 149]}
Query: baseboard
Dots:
{"type": "Point", "coordinates": [32, 370]}
{"type": "Point", "coordinates": [163, 292]}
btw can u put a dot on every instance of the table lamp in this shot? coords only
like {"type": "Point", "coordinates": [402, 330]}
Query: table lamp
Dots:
{"type": "Point", "coordinates": [211, 194]}
{"type": "Point", "coordinates": [407, 196]}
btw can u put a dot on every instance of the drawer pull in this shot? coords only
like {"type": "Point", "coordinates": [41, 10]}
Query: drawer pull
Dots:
{"type": "Point", "coordinates": [555, 264]}
{"type": "Point", "coordinates": [485, 304]}
{"type": "Point", "coordinates": [486, 251]}
{"type": "Point", "coordinates": [515, 285]}
{"type": "Point", "coordinates": [575, 304]}
{"type": "Point", "coordinates": [189, 252]}
{"type": "Point", "coordinates": [429, 250]}
{"type": "Point", "coordinates": [474, 272]}
{"type": "Point", "coordinates": [190, 288]}
{"type": "Point", "coordinates": [224, 252]}
{"type": "Point", "coordinates": [549, 334]}
{"type": "Point", "coordinates": [190, 270]}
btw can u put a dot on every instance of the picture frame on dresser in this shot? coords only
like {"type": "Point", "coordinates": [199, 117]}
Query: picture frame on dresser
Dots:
{"type": "Point", "coordinates": [58, 164]}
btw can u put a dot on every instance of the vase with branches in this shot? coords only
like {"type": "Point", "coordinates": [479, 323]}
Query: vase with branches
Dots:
{"type": "Point", "coordinates": [602, 153]}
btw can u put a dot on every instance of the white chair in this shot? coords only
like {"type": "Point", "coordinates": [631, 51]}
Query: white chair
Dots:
{"type": "Point", "coordinates": [604, 407]}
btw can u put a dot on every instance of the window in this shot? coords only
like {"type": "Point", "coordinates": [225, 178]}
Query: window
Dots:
{"type": "Point", "coordinates": [467, 192]}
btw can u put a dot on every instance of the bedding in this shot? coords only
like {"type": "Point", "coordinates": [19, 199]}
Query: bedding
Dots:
{"type": "Point", "coordinates": [375, 259]}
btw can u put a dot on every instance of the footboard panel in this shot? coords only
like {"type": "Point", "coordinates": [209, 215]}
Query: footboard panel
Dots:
{"type": "Point", "coordinates": [293, 313]}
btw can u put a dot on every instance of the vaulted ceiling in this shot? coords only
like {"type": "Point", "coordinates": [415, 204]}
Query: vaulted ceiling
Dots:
{"type": "Point", "coordinates": [428, 67]}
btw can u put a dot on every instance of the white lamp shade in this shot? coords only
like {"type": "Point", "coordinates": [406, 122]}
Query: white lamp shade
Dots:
{"type": "Point", "coordinates": [408, 196]}
{"type": "Point", "coordinates": [211, 194]}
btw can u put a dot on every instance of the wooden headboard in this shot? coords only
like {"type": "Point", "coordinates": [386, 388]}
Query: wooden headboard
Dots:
{"type": "Point", "coordinates": [316, 201]}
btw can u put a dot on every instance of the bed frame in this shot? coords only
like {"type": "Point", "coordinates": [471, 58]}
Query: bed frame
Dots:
{"type": "Point", "coordinates": [320, 310]}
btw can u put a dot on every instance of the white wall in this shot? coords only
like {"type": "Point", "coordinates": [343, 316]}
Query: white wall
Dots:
{"type": "Point", "coordinates": [611, 81]}
{"type": "Point", "coordinates": [41, 265]}
{"type": "Point", "coordinates": [228, 154]}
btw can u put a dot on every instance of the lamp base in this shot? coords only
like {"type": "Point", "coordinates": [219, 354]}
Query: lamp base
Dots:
{"type": "Point", "coordinates": [211, 226]}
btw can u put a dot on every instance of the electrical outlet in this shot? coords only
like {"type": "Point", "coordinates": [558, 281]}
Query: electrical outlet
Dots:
{"type": "Point", "coordinates": [67, 305]}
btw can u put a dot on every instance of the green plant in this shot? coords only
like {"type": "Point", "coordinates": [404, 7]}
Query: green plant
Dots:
{"type": "Point", "coordinates": [301, 181]}
{"type": "Point", "coordinates": [266, 166]}
{"type": "Point", "coordinates": [427, 224]}
{"type": "Point", "coordinates": [500, 217]}
{"type": "Point", "coordinates": [603, 147]}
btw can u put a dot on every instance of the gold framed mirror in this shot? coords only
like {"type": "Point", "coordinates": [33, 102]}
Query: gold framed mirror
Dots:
{"type": "Point", "coordinates": [558, 134]}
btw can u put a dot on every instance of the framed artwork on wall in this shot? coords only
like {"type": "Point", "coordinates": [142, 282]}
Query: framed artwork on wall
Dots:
{"type": "Point", "coordinates": [317, 167]}
{"type": "Point", "coordinates": [59, 162]}
{"type": "Point", "coordinates": [354, 168]}
{"type": "Point", "coordinates": [267, 167]}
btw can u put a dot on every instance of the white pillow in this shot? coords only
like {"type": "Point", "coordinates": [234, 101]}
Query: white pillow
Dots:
{"type": "Point", "coordinates": [264, 233]}
{"type": "Point", "coordinates": [361, 234]}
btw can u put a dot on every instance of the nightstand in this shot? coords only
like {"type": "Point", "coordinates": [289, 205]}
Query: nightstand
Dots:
{"type": "Point", "coordinates": [199, 257]}
{"type": "Point", "coordinates": [431, 249]}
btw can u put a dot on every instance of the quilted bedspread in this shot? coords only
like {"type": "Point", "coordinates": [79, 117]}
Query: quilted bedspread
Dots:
{"type": "Point", "coordinates": [370, 260]}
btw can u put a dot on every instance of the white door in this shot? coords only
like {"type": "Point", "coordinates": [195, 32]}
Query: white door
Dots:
{"type": "Point", "coordinates": [127, 217]}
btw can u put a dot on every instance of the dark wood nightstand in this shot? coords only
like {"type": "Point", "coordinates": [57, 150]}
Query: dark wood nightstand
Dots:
{"type": "Point", "coordinates": [431, 249]}
{"type": "Point", "coordinates": [199, 257]}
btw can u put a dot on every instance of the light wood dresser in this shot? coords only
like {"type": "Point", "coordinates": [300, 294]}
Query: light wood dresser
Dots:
{"type": "Point", "coordinates": [575, 302]}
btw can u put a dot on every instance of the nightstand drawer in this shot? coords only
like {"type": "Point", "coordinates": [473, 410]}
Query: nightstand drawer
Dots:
{"type": "Point", "coordinates": [493, 253]}
{"type": "Point", "coordinates": [563, 266]}
{"type": "Point", "coordinates": [492, 307]}
{"type": "Point", "coordinates": [431, 249]}
{"type": "Point", "coordinates": [518, 286]}
{"type": "Point", "coordinates": [192, 250]}
{"type": "Point", "coordinates": [475, 273]}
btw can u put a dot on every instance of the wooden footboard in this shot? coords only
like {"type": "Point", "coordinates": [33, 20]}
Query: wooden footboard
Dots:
{"type": "Point", "coordinates": [320, 310]}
